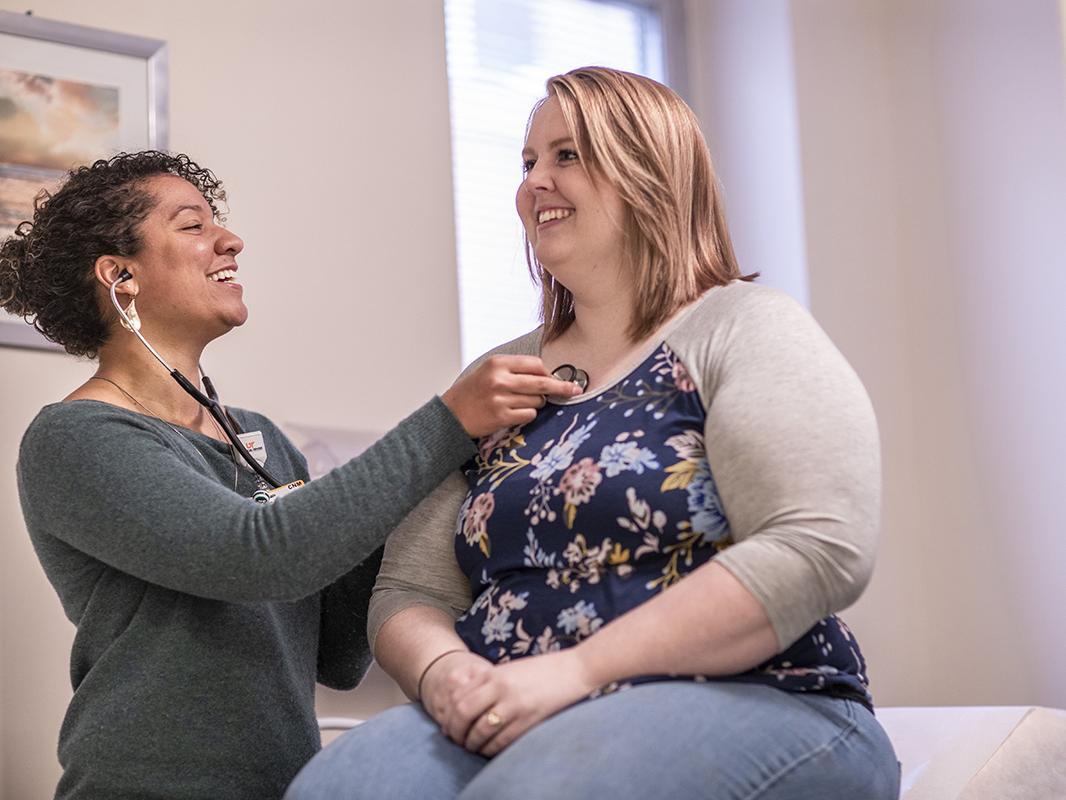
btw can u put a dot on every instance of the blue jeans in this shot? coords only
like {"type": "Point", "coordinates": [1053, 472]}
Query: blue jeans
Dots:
{"type": "Point", "coordinates": [677, 739]}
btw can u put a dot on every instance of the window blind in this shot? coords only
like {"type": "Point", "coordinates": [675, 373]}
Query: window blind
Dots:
{"type": "Point", "coordinates": [500, 52]}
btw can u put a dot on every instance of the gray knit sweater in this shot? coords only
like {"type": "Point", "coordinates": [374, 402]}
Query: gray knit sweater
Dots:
{"type": "Point", "coordinates": [204, 619]}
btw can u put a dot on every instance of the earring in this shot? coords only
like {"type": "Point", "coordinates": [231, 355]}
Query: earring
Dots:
{"type": "Point", "coordinates": [134, 318]}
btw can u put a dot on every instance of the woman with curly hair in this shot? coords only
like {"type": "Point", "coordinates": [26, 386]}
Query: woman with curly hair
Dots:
{"type": "Point", "coordinates": [634, 595]}
{"type": "Point", "coordinates": [203, 617]}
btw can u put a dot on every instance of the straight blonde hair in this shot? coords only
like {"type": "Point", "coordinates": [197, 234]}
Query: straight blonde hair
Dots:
{"type": "Point", "coordinates": [641, 138]}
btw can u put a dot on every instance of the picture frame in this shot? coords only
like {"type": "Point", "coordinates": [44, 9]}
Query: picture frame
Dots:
{"type": "Point", "coordinates": [69, 95]}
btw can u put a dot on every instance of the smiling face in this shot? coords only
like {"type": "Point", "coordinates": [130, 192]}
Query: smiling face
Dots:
{"type": "Point", "coordinates": [573, 224]}
{"type": "Point", "coordinates": [185, 271]}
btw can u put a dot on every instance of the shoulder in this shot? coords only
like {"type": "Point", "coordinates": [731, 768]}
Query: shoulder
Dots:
{"type": "Point", "coordinates": [87, 419]}
{"type": "Point", "coordinates": [755, 333]}
{"type": "Point", "coordinates": [741, 317]}
{"type": "Point", "coordinates": [739, 302]}
{"type": "Point", "coordinates": [528, 344]}
{"type": "Point", "coordinates": [76, 428]}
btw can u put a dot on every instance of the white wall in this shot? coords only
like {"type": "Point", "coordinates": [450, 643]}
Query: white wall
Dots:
{"type": "Point", "coordinates": [933, 144]}
{"type": "Point", "coordinates": [328, 123]}
{"type": "Point", "coordinates": [872, 244]}
{"type": "Point", "coordinates": [932, 155]}
{"type": "Point", "coordinates": [741, 83]}
{"type": "Point", "coordinates": [1003, 119]}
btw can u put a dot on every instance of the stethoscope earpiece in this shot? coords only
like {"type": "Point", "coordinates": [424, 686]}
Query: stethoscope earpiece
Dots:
{"type": "Point", "coordinates": [209, 401]}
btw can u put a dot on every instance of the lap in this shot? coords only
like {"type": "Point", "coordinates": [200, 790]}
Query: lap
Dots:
{"type": "Point", "coordinates": [716, 740]}
{"type": "Point", "coordinates": [400, 754]}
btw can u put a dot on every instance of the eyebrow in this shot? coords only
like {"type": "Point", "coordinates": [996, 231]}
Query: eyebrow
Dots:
{"type": "Point", "coordinates": [551, 145]}
{"type": "Point", "coordinates": [186, 207]}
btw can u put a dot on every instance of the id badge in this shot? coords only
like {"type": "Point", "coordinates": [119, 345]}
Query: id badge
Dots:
{"type": "Point", "coordinates": [270, 495]}
{"type": "Point", "coordinates": [254, 444]}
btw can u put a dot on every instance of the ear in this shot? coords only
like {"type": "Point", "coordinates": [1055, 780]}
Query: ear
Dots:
{"type": "Point", "coordinates": [108, 269]}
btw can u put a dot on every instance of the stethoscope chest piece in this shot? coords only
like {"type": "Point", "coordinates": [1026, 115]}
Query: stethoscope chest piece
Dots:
{"type": "Point", "coordinates": [571, 374]}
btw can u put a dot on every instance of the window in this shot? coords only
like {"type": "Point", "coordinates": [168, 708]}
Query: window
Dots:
{"type": "Point", "coordinates": [500, 52]}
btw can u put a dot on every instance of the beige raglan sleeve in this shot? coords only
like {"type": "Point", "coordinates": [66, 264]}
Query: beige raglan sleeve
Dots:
{"type": "Point", "coordinates": [793, 448]}
{"type": "Point", "coordinates": [419, 565]}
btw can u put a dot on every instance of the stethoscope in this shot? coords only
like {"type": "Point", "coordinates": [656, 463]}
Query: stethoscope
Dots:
{"type": "Point", "coordinates": [209, 401]}
{"type": "Point", "coordinates": [572, 374]}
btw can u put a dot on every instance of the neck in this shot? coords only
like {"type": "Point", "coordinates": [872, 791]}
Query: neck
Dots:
{"type": "Point", "coordinates": [598, 339]}
{"type": "Point", "coordinates": [602, 319]}
{"type": "Point", "coordinates": [128, 363]}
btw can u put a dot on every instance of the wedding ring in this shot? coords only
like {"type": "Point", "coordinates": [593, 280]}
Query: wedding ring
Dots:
{"type": "Point", "coordinates": [494, 719]}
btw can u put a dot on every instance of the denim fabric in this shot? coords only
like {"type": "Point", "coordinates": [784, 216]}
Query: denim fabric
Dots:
{"type": "Point", "coordinates": [714, 740]}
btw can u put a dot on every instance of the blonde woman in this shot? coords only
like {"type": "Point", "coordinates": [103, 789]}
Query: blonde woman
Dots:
{"type": "Point", "coordinates": [633, 595]}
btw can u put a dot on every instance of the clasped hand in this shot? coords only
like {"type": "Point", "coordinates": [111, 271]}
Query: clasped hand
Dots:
{"type": "Point", "coordinates": [485, 707]}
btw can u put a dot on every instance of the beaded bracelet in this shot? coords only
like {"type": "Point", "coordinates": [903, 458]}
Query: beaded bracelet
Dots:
{"type": "Point", "coordinates": [422, 677]}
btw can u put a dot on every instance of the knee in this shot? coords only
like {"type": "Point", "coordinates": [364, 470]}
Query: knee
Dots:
{"type": "Point", "coordinates": [340, 769]}
{"type": "Point", "coordinates": [326, 774]}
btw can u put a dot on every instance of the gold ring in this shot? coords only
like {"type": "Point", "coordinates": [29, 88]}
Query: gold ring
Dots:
{"type": "Point", "coordinates": [494, 719]}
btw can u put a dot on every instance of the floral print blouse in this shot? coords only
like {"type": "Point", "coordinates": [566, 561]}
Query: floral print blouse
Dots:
{"type": "Point", "coordinates": [594, 507]}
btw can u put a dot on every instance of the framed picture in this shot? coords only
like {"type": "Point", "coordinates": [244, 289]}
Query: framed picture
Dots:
{"type": "Point", "coordinates": [68, 96]}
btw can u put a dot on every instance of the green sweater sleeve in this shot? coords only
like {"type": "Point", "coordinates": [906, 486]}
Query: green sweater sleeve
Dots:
{"type": "Point", "coordinates": [115, 486]}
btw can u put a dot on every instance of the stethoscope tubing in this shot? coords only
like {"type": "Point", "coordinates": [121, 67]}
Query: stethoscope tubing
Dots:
{"type": "Point", "coordinates": [209, 401]}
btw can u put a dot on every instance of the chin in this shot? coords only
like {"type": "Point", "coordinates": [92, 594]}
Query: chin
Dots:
{"type": "Point", "coordinates": [554, 266]}
{"type": "Point", "coordinates": [236, 317]}
{"type": "Point", "coordinates": [226, 324]}
{"type": "Point", "coordinates": [547, 256]}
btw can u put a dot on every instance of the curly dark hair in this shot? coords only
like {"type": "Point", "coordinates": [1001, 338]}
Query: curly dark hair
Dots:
{"type": "Point", "coordinates": [47, 266]}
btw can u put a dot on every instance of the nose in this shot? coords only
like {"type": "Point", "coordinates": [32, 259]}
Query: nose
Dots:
{"type": "Point", "coordinates": [228, 243]}
{"type": "Point", "coordinates": [539, 179]}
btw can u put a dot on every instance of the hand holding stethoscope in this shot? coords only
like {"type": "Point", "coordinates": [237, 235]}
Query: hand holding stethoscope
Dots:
{"type": "Point", "coordinates": [571, 374]}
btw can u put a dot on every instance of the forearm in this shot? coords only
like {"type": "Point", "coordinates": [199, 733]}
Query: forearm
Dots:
{"type": "Point", "coordinates": [409, 640]}
{"type": "Point", "coordinates": [187, 531]}
{"type": "Point", "coordinates": [707, 624]}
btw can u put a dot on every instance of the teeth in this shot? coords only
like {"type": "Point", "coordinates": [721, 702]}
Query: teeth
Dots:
{"type": "Point", "coordinates": [553, 213]}
{"type": "Point", "coordinates": [223, 274]}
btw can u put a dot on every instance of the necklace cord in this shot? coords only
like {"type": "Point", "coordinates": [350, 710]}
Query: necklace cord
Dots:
{"type": "Point", "coordinates": [214, 408]}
